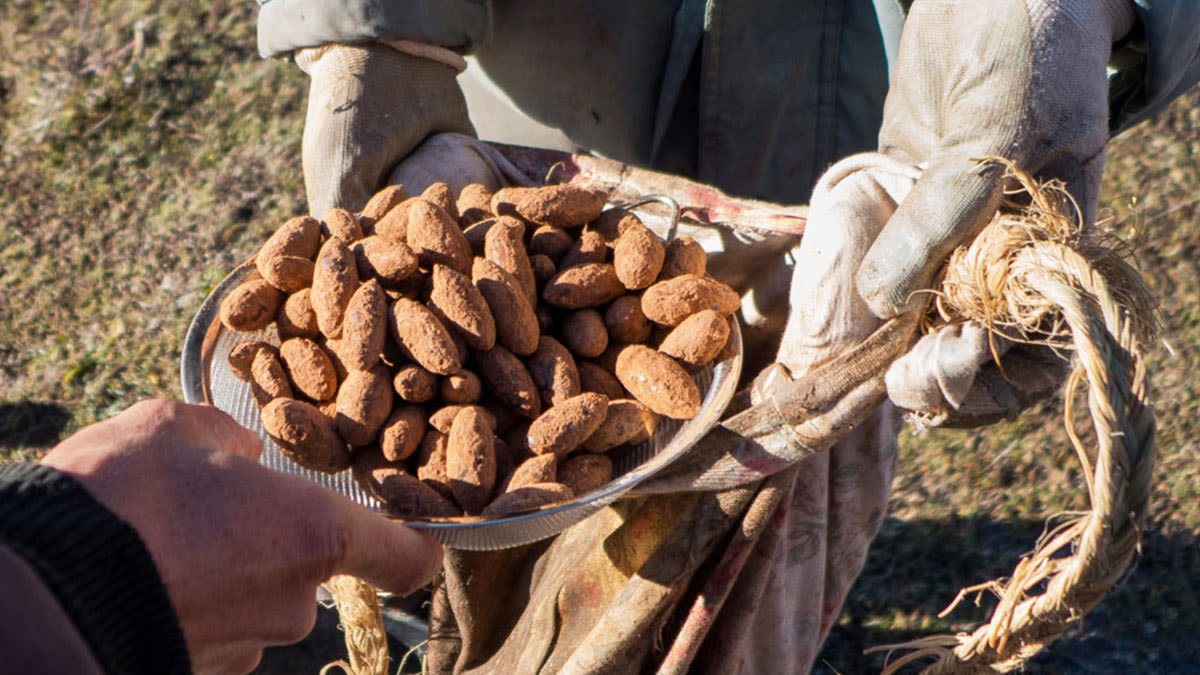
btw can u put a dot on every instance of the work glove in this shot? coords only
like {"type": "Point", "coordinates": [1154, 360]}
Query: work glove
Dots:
{"type": "Point", "coordinates": [369, 106]}
{"type": "Point", "coordinates": [1021, 79]}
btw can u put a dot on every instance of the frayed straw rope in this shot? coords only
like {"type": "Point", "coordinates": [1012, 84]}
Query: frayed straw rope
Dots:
{"type": "Point", "coordinates": [362, 622]}
{"type": "Point", "coordinates": [1037, 276]}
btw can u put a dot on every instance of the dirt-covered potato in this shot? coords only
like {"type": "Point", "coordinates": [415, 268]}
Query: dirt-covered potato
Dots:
{"type": "Point", "coordinates": [382, 202]}
{"type": "Point", "coordinates": [509, 381]}
{"type": "Point", "coordinates": [435, 237]}
{"type": "Point", "coordinates": [625, 320]}
{"type": "Point", "coordinates": [590, 247]}
{"type": "Point", "coordinates": [443, 418]}
{"type": "Point", "coordinates": [309, 368]}
{"type": "Point", "coordinates": [269, 379]}
{"type": "Point", "coordinates": [439, 193]}
{"type": "Point", "coordinates": [516, 322]}
{"type": "Point", "coordinates": [528, 498]}
{"type": "Point", "coordinates": [389, 261]}
{"type": "Point", "coordinates": [474, 204]}
{"type": "Point", "coordinates": [558, 205]}
{"type": "Point", "coordinates": [628, 421]}
{"type": "Point", "coordinates": [296, 317]}
{"type": "Point", "coordinates": [241, 357]}
{"type": "Point", "coordinates": [536, 469]}
{"type": "Point", "coordinates": [414, 384]}
{"type": "Point", "coordinates": [402, 432]}
{"type": "Point", "coordinates": [342, 224]}
{"type": "Point", "coordinates": [550, 241]}
{"type": "Point", "coordinates": [300, 237]}
{"type": "Point", "coordinates": [364, 327]}
{"type": "Point", "coordinates": [461, 387]}
{"type": "Point", "coordinates": [567, 425]}
{"type": "Point", "coordinates": [431, 462]}
{"type": "Point", "coordinates": [683, 256]}
{"type": "Point", "coordinates": [505, 246]}
{"type": "Point", "coordinates": [393, 226]}
{"type": "Point", "coordinates": [402, 493]}
{"type": "Point", "coordinates": [543, 268]}
{"type": "Point", "coordinates": [612, 223]}
{"type": "Point", "coordinates": [251, 306]}
{"type": "Point", "coordinates": [553, 371]}
{"type": "Point", "coordinates": [698, 339]}
{"type": "Point", "coordinates": [584, 333]}
{"type": "Point", "coordinates": [658, 381]}
{"type": "Point", "coordinates": [423, 338]}
{"type": "Point", "coordinates": [288, 273]}
{"type": "Point", "coordinates": [594, 378]}
{"type": "Point", "coordinates": [638, 256]}
{"type": "Point", "coordinates": [586, 472]}
{"type": "Point", "coordinates": [588, 285]}
{"type": "Point", "coordinates": [670, 302]}
{"type": "Point", "coordinates": [471, 459]}
{"type": "Point", "coordinates": [364, 402]}
{"type": "Point", "coordinates": [461, 306]}
{"type": "Point", "coordinates": [305, 435]}
{"type": "Point", "coordinates": [335, 279]}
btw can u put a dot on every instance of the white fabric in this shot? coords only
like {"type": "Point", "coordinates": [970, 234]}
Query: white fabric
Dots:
{"type": "Point", "coordinates": [1022, 79]}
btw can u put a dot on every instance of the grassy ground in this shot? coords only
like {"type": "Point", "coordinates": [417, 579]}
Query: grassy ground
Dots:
{"type": "Point", "coordinates": [147, 150]}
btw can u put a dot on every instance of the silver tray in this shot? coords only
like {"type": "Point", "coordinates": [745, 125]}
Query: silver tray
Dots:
{"type": "Point", "coordinates": [206, 378]}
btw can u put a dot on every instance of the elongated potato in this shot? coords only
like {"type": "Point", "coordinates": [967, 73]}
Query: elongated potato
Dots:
{"type": "Point", "coordinates": [528, 498]}
{"type": "Point", "coordinates": [296, 317]}
{"type": "Point", "coordinates": [251, 306]}
{"type": "Point", "coordinates": [587, 285]}
{"type": "Point", "coordinates": [590, 247]}
{"type": "Point", "coordinates": [509, 381]}
{"type": "Point", "coordinates": [364, 327]}
{"type": "Point", "coordinates": [443, 418]}
{"type": "Point", "coordinates": [431, 463]}
{"type": "Point", "coordinates": [335, 279]}
{"type": "Point", "coordinates": [309, 368]}
{"type": "Point", "coordinates": [342, 224]}
{"type": "Point", "coordinates": [536, 469]}
{"type": "Point", "coordinates": [613, 222]}
{"type": "Point", "coordinates": [670, 302]}
{"type": "Point", "coordinates": [584, 333]}
{"type": "Point", "coordinates": [594, 378]}
{"type": "Point", "coordinates": [364, 402]}
{"type": "Point", "coordinates": [625, 320]}
{"type": "Point", "coordinates": [402, 432]}
{"type": "Point", "coordinates": [423, 338]}
{"type": "Point", "coordinates": [558, 205]}
{"type": "Point", "coordinates": [516, 322]}
{"type": "Point", "coordinates": [390, 261]}
{"type": "Point", "coordinates": [440, 193]}
{"type": "Point", "coordinates": [461, 306]}
{"type": "Point", "coordinates": [270, 380]}
{"type": "Point", "coordinates": [628, 421]}
{"type": "Point", "coordinates": [638, 257]}
{"type": "Point", "coordinates": [584, 473]}
{"type": "Point", "coordinates": [435, 237]}
{"type": "Point", "coordinates": [305, 435]}
{"type": "Point", "coordinates": [471, 459]}
{"type": "Point", "coordinates": [241, 357]}
{"type": "Point", "coordinates": [553, 371]}
{"type": "Point", "coordinates": [698, 339]}
{"type": "Point", "coordinates": [414, 384]}
{"type": "Point", "coordinates": [300, 236]}
{"type": "Point", "coordinates": [567, 425]}
{"type": "Point", "coordinates": [461, 387]}
{"type": "Point", "coordinates": [550, 241]}
{"type": "Point", "coordinates": [504, 246]}
{"type": "Point", "coordinates": [474, 204]}
{"type": "Point", "coordinates": [402, 493]}
{"type": "Point", "coordinates": [683, 256]}
{"type": "Point", "coordinates": [658, 381]}
{"type": "Point", "coordinates": [288, 273]}
{"type": "Point", "coordinates": [383, 201]}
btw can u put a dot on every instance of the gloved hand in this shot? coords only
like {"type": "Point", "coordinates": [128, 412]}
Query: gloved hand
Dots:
{"type": "Point", "coordinates": [369, 106]}
{"type": "Point", "coordinates": [240, 548]}
{"type": "Point", "coordinates": [1026, 80]}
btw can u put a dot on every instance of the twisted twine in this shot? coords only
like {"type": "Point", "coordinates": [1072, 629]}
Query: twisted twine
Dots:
{"type": "Point", "coordinates": [1037, 276]}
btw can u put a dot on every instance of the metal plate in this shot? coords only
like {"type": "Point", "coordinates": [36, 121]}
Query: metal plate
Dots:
{"type": "Point", "coordinates": [207, 379]}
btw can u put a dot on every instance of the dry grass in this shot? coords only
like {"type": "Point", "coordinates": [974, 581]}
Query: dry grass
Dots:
{"type": "Point", "coordinates": [147, 150]}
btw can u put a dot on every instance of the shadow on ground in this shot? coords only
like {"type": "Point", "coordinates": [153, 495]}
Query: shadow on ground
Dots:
{"type": "Point", "coordinates": [31, 424]}
{"type": "Point", "coordinates": [1146, 625]}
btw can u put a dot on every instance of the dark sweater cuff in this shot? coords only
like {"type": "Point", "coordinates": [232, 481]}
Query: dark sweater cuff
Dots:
{"type": "Point", "coordinates": [97, 567]}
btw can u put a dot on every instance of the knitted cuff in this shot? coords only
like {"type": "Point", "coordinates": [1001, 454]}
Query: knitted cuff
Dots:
{"type": "Point", "coordinates": [97, 567]}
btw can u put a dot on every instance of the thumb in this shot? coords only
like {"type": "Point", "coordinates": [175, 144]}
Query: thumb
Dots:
{"type": "Point", "coordinates": [385, 553]}
{"type": "Point", "coordinates": [949, 204]}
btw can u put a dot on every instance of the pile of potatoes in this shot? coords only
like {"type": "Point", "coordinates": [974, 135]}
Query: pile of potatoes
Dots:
{"type": "Point", "coordinates": [477, 354]}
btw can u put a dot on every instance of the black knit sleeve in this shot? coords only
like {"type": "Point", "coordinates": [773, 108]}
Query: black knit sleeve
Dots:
{"type": "Point", "coordinates": [97, 567]}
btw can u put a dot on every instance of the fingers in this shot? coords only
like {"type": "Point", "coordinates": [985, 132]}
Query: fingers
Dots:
{"type": "Point", "coordinates": [385, 553]}
{"type": "Point", "coordinates": [949, 204]}
{"type": "Point", "coordinates": [200, 425]}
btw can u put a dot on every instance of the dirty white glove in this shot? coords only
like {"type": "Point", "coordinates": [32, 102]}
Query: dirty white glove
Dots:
{"type": "Point", "coordinates": [369, 105]}
{"type": "Point", "coordinates": [1022, 79]}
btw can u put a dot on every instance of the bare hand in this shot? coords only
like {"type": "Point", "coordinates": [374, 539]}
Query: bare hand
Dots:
{"type": "Point", "coordinates": [240, 548]}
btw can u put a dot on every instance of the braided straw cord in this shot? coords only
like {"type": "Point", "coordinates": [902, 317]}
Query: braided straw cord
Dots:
{"type": "Point", "coordinates": [1037, 276]}
{"type": "Point", "coordinates": [362, 622]}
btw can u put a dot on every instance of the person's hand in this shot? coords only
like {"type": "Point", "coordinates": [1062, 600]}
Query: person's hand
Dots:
{"type": "Point", "coordinates": [240, 548]}
{"type": "Point", "coordinates": [1020, 79]}
{"type": "Point", "coordinates": [369, 106]}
